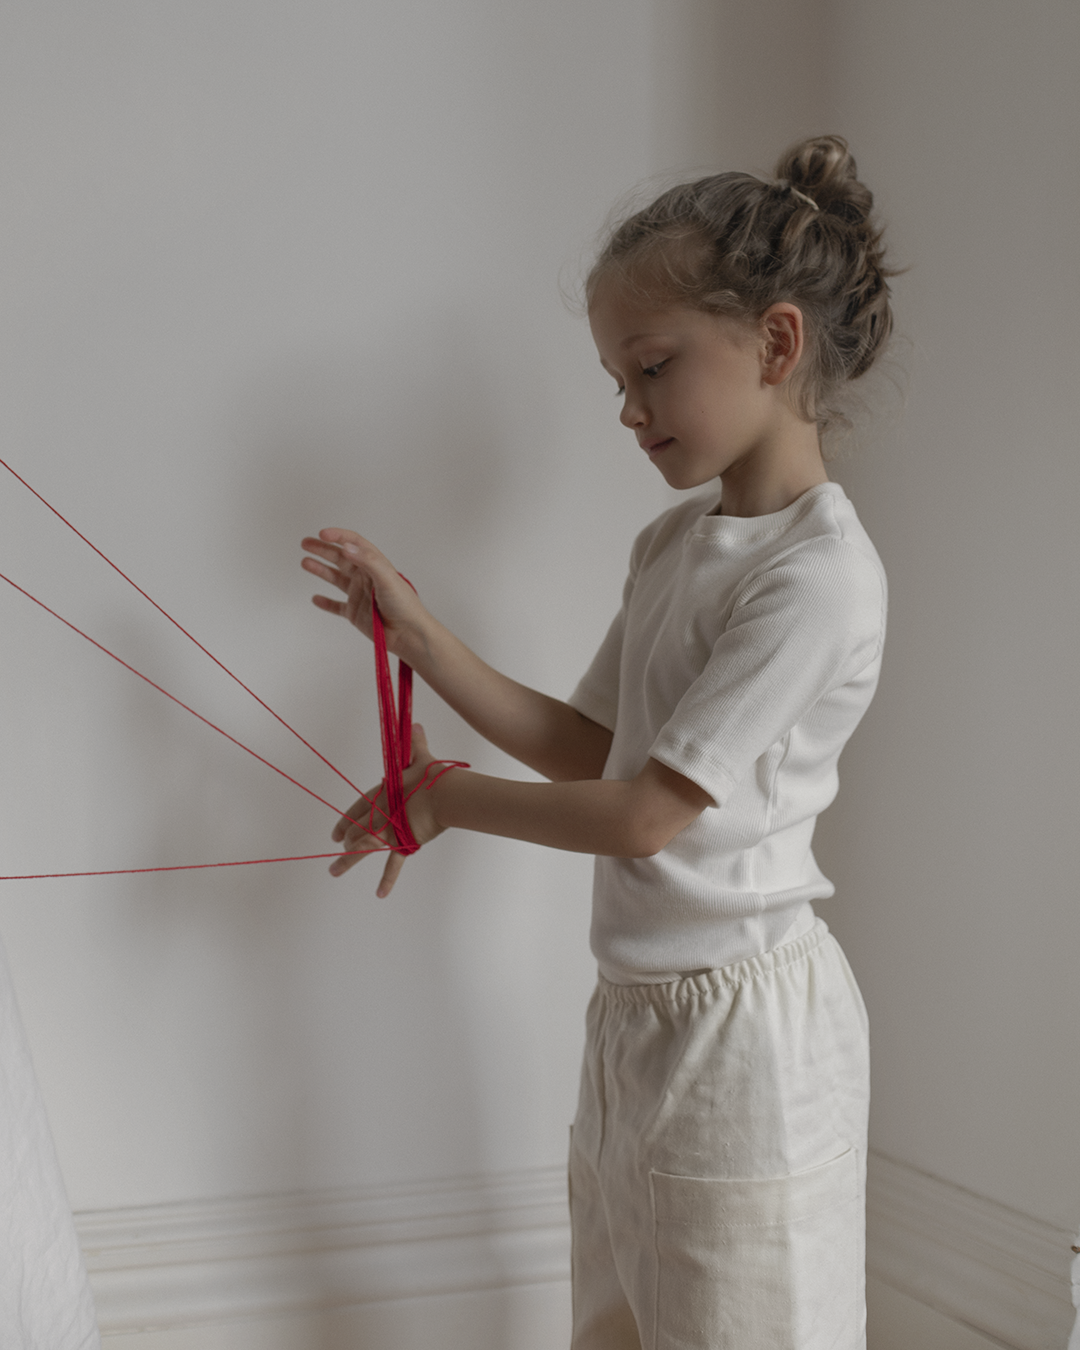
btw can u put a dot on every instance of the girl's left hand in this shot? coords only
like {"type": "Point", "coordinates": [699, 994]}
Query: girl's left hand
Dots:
{"type": "Point", "coordinates": [419, 808]}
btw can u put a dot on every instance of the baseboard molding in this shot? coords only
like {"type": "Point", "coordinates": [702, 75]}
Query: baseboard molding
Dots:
{"type": "Point", "coordinates": [197, 1263]}
{"type": "Point", "coordinates": [185, 1265]}
{"type": "Point", "coordinates": [984, 1265]}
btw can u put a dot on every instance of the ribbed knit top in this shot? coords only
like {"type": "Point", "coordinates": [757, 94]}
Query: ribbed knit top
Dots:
{"type": "Point", "coordinates": [744, 655]}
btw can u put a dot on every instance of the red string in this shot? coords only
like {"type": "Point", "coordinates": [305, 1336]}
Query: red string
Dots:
{"type": "Point", "coordinates": [396, 726]}
{"type": "Point", "coordinates": [191, 867]}
{"type": "Point", "coordinates": [428, 781]}
{"type": "Point", "coordinates": [175, 624]}
{"type": "Point", "coordinates": [160, 690]}
{"type": "Point", "coordinates": [395, 723]}
{"type": "Point", "coordinates": [370, 825]}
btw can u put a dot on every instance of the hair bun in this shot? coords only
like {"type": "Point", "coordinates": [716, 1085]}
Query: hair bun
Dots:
{"type": "Point", "coordinates": [823, 168]}
{"type": "Point", "coordinates": [734, 244]}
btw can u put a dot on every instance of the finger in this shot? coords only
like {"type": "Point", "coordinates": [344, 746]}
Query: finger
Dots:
{"type": "Point", "coordinates": [363, 825]}
{"type": "Point", "coordinates": [334, 575]}
{"type": "Point", "coordinates": [331, 606]}
{"type": "Point", "coordinates": [355, 818]}
{"type": "Point", "coordinates": [391, 872]}
{"type": "Point", "coordinates": [322, 548]}
{"type": "Point", "coordinates": [341, 865]}
{"type": "Point", "coordinates": [357, 846]}
{"type": "Point", "coordinates": [358, 555]}
{"type": "Point", "coordinates": [329, 554]}
{"type": "Point", "coordinates": [333, 535]}
{"type": "Point", "coordinates": [419, 743]}
{"type": "Point", "coordinates": [350, 551]}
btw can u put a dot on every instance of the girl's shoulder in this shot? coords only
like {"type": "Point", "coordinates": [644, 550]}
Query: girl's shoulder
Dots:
{"type": "Point", "coordinates": [823, 513]}
{"type": "Point", "coordinates": [831, 528]}
{"type": "Point", "coordinates": [816, 545]}
{"type": "Point", "coordinates": [823, 564]}
{"type": "Point", "coordinates": [671, 525]}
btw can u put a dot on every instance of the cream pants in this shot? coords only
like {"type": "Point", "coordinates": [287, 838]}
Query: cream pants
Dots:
{"type": "Point", "coordinates": [718, 1159]}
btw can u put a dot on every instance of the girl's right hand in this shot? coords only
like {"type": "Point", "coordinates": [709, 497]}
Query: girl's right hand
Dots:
{"type": "Point", "coordinates": [357, 568]}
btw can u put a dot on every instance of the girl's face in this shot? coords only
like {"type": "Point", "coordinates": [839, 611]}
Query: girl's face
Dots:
{"type": "Point", "coordinates": [698, 390]}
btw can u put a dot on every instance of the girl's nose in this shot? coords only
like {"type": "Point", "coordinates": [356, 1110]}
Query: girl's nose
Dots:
{"type": "Point", "coordinates": [634, 413]}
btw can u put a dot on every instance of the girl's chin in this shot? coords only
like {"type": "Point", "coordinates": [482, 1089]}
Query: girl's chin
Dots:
{"type": "Point", "coordinates": [684, 480]}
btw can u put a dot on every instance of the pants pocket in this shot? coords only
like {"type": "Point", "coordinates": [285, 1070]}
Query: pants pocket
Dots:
{"type": "Point", "coordinates": [773, 1264]}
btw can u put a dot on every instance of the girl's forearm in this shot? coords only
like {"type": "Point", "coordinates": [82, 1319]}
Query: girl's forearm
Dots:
{"type": "Point", "coordinates": [628, 819]}
{"type": "Point", "coordinates": [542, 732]}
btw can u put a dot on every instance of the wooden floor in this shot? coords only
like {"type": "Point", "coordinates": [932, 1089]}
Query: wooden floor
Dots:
{"type": "Point", "coordinates": [531, 1318]}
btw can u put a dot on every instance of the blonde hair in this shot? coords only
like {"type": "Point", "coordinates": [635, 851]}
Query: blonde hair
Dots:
{"type": "Point", "coordinates": [734, 244]}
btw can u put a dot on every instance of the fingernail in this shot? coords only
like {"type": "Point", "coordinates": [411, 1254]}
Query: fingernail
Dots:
{"type": "Point", "coordinates": [351, 548]}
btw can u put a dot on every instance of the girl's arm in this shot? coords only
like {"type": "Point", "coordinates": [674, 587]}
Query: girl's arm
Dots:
{"type": "Point", "coordinates": [634, 818]}
{"type": "Point", "coordinates": [542, 732]}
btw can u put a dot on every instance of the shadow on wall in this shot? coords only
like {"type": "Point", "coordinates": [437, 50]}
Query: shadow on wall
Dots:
{"type": "Point", "coordinates": [346, 1048]}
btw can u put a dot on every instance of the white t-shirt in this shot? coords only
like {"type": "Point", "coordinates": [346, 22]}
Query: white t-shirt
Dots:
{"type": "Point", "coordinates": [744, 655]}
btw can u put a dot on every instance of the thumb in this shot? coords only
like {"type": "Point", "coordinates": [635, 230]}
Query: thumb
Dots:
{"type": "Point", "coordinates": [419, 743]}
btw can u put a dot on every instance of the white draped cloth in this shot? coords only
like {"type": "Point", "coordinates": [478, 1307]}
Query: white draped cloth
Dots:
{"type": "Point", "coordinates": [45, 1301]}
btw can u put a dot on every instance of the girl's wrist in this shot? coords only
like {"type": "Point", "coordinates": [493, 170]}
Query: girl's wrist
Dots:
{"type": "Point", "coordinates": [432, 788]}
{"type": "Point", "coordinates": [413, 645]}
{"type": "Point", "coordinates": [442, 775]}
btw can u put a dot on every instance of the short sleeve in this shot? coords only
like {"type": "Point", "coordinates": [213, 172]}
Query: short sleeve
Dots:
{"type": "Point", "coordinates": [597, 692]}
{"type": "Point", "coordinates": [802, 629]}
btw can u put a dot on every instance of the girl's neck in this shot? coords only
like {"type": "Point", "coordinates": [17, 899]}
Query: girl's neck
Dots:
{"type": "Point", "coordinates": [765, 483]}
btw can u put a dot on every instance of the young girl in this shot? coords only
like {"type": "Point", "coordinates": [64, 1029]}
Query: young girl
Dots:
{"type": "Point", "coordinates": [718, 1156]}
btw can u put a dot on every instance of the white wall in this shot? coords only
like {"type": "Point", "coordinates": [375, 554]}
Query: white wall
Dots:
{"type": "Point", "coordinates": [954, 842]}
{"type": "Point", "coordinates": [270, 266]}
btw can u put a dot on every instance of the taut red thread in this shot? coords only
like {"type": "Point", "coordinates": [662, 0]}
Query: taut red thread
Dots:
{"type": "Point", "coordinates": [191, 867]}
{"type": "Point", "coordinates": [160, 690]}
{"type": "Point", "coordinates": [175, 624]}
{"type": "Point", "coordinates": [187, 867]}
{"type": "Point", "coordinates": [395, 721]}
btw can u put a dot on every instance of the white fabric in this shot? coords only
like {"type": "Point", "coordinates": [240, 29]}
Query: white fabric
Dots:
{"type": "Point", "coordinates": [45, 1301]}
{"type": "Point", "coordinates": [744, 655]}
{"type": "Point", "coordinates": [718, 1159]}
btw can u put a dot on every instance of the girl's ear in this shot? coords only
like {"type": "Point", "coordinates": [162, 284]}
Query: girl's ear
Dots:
{"type": "Point", "coordinates": [783, 341]}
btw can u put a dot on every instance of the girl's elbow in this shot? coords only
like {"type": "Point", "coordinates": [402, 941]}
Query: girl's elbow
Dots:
{"type": "Point", "coordinates": [650, 831]}
{"type": "Point", "coordinates": [638, 848]}
{"type": "Point", "coordinates": [648, 838]}
{"type": "Point", "coordinates": [661, 804]}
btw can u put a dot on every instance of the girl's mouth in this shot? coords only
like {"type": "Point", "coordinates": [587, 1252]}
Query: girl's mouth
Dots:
{"type": "Point", "coordinates": [654, 447]}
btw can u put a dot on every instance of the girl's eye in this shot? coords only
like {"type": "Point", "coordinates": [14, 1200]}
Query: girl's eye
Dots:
{"type": "Point", "coordinates": [651, 372]}
{"type": "Point", "coordinates": [620, 391]}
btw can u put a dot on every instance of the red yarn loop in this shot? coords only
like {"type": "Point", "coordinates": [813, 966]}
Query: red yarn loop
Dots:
{"type": "Point", "coordinates": [395, 723]}
{"type": "Point", "coordinates": [395, 720]}
{"type": "Point", "coordinates": [428, 781]}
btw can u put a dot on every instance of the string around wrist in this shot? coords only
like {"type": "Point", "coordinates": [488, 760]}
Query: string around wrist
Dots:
{"type": "Point", "coordinates": [427, 782]}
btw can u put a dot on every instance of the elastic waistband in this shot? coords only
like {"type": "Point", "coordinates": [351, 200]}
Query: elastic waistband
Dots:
{"type": "Point", "coordinates": [709, 982]}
